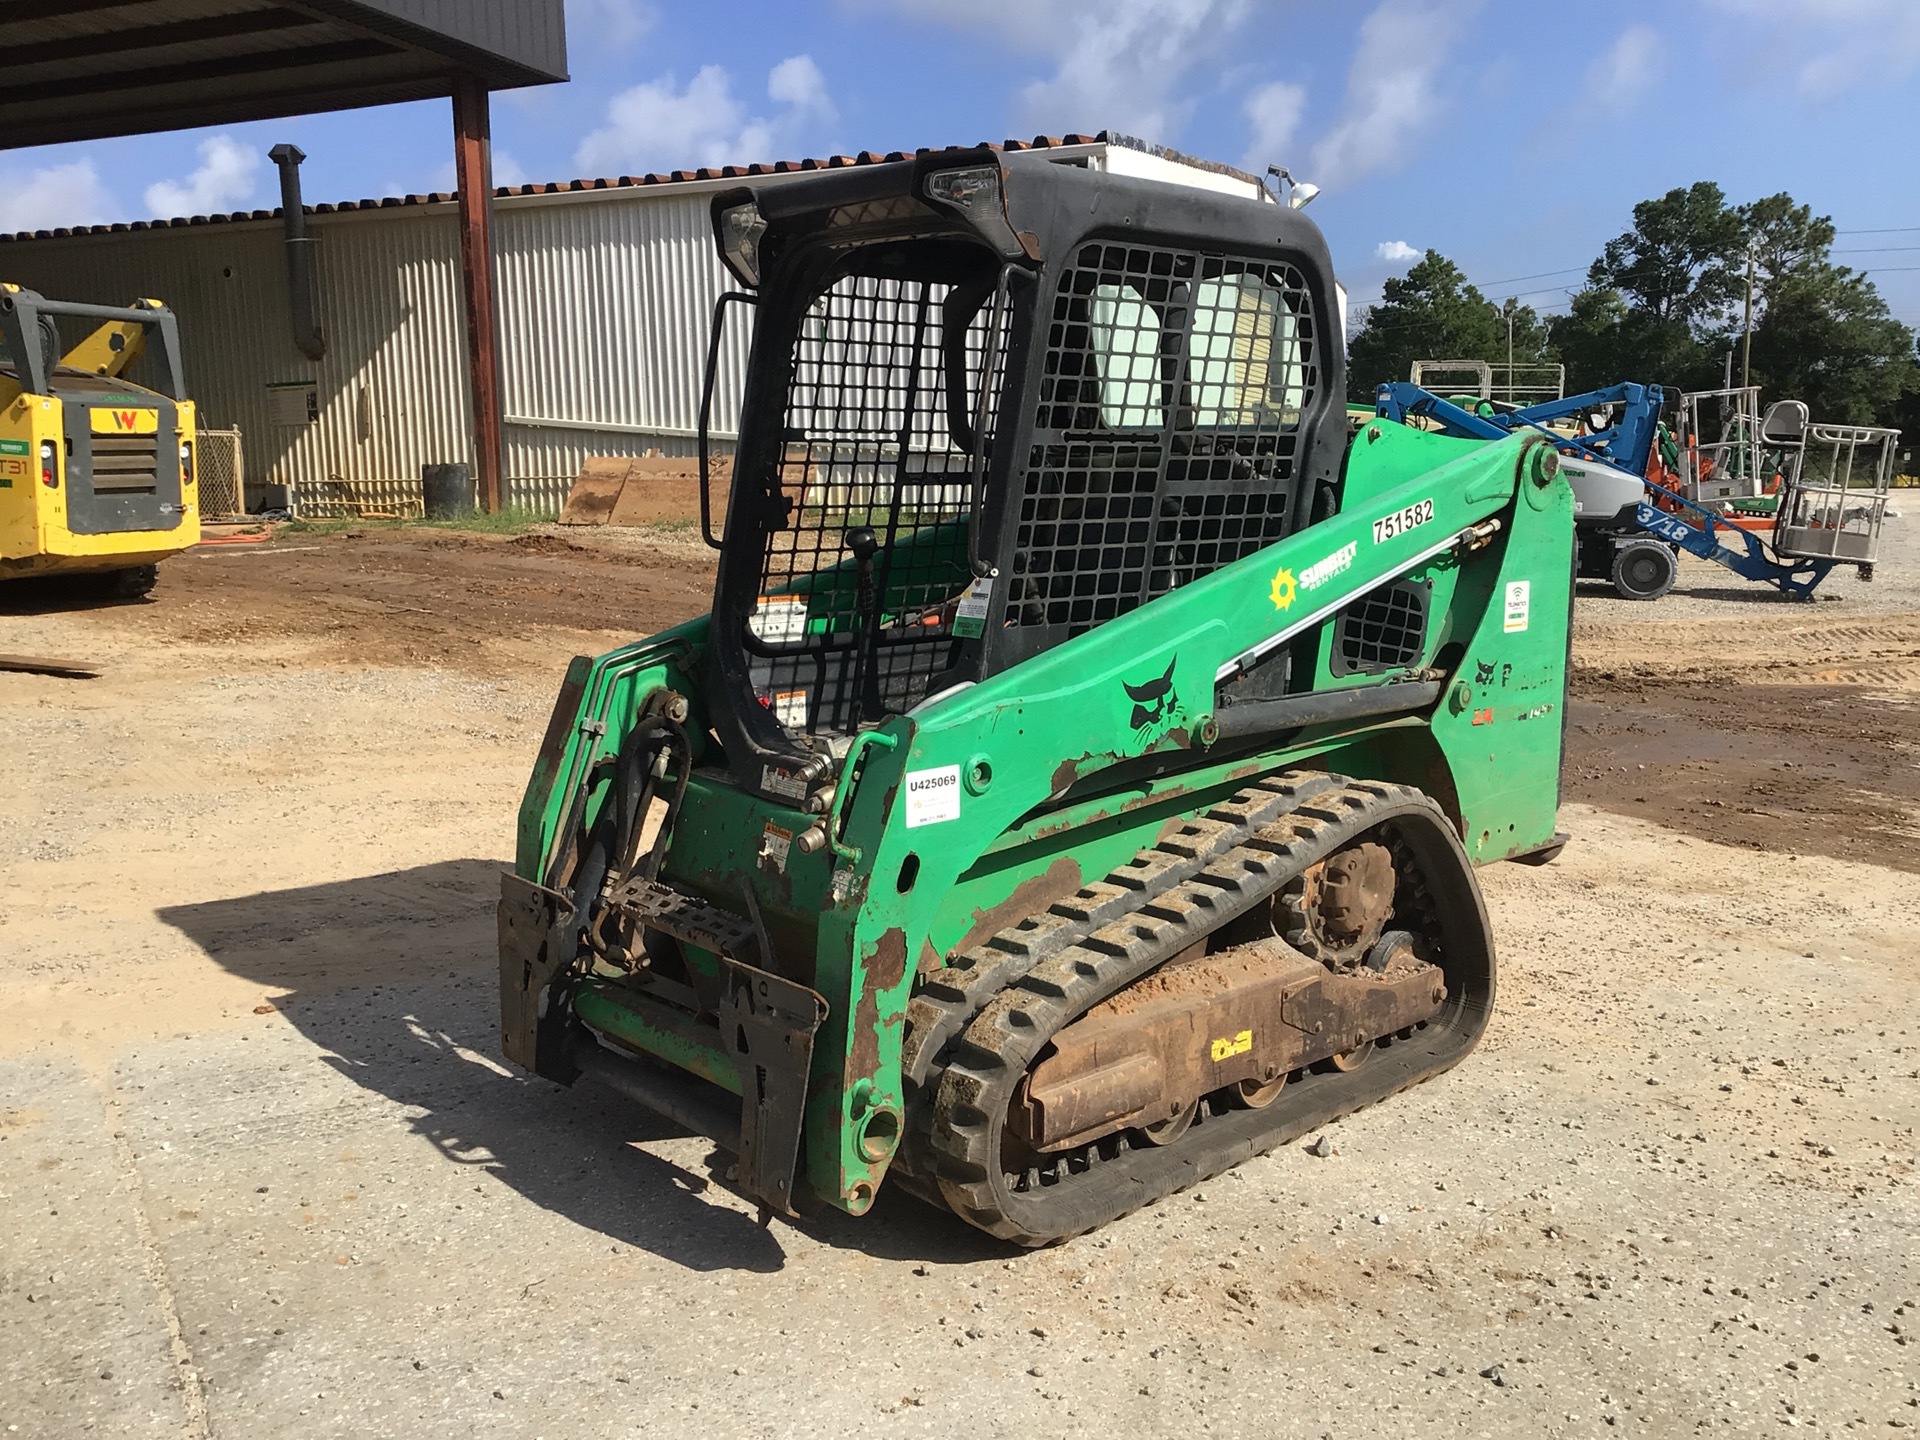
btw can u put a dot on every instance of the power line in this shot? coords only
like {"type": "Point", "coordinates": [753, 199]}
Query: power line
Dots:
{"type": "Point", "coordinates": [1875, 249]}
{"type": "Point", "coordinates": [1888, 230]}
{"type": "Point", "coordinates": [1515, 280]}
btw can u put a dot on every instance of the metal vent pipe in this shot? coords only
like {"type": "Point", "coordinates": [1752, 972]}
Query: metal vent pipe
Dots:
{"type": "Point", "coordinates": [301, 297]}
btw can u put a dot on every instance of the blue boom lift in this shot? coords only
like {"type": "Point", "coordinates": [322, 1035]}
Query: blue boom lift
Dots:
{"type": "Point", "coordinates": [1629, 528]}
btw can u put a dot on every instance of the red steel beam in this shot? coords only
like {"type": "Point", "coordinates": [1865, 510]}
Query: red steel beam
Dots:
{"type": "Point", "coordinates": [473, 177]}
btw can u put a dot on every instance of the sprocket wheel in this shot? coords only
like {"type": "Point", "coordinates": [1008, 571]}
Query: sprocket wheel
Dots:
{"type": "Point", "coordinates": [1337, 910]}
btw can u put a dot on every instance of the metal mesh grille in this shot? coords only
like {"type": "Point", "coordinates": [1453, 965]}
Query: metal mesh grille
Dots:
{"type": "Point", "coordinates": [1382, 631]}
{"type": "Point", "coordinates": [221, 474]}
{"type": "Point", "coordinates": [1170, 403]}
{"type": "Point", "coordinates": [869, 446]}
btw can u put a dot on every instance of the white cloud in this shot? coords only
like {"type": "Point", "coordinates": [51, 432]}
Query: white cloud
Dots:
{"type": "Point", "coordinates": [1627, 69]}
{"type": "Point", "coordinates": [1129, 72]}
{"type": "Point", "coordinates": [224, 181]}
{"type": "Point", "coordinates": [1395, 251]}
{"type": "Point", "coordinates": [1391, 103]}
{"type": "Point", "coordinates": [797, 83]}
{"type": "Point", "coordinates": [1830, 48]}
{"type": "Point", "coordinates": [443, 180]}
{"type": "Point", "coordinates": [657, 126]}
{"type": "Point", "coordinates": [594, 25]}
{"type": "Point", "coordinates": [506, 170]}
{"type": "Point", "coordinates": [1133, 66]}
{"type": "Point", "coordinates": [1273, 114]}
{"type": "Point", "coordinates": [55, 196]}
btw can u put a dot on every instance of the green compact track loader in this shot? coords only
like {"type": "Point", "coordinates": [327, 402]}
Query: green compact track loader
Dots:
{"type": "Point", "coordinates": [1078, 783]}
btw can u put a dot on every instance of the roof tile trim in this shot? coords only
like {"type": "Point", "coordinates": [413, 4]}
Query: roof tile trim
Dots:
{"type": "Point", "coordinates": [561, 187]}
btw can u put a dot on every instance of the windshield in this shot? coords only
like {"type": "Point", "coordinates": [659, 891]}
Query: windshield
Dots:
{"type": "Point", "coordinates": [1174, 387]}
{"type": "Point", "coordinates": [1245, 361]}
{"type": "Point", "coordinates": [864, 566]}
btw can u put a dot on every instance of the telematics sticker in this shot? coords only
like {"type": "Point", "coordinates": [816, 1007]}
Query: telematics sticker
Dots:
{"type": "Point", "coordinates": [933, 795]}
{"type": "Point", "coordinates": [970, 615]}
{"type": "Point", "coordinates": [1321, 571]}
{"type": "Point", "coordinates": [1519, 596]}
{"type": "Point", "coordinates": [1401, 521]}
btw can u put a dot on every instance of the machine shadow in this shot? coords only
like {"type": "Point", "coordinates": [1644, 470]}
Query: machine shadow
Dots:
{"type": "Point", "coordinates": [61, 595]}
{"type": "Point", "coordinates": [1752, 593]}
{"type": "Point", "coordinates": [394, 980]}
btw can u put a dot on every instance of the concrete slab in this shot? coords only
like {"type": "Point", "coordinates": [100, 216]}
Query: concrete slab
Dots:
{"type": "Point", "coordinates": [91, 1343]}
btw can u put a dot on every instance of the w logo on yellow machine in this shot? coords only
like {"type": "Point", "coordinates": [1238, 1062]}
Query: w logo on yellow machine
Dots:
{"type": "Point", "coordinates": [130, 421]}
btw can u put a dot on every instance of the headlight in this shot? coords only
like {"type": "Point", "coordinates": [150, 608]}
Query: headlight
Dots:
{"type": "Point", "coordinates": [968, 189]}
{"type": "Point", "coordinates": [741, 227]}
{"type": "Point", "coordinates": [978, 192]}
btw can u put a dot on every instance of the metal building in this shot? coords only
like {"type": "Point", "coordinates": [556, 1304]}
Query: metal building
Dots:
{"type": "Point", "coordinates": [605, 289]}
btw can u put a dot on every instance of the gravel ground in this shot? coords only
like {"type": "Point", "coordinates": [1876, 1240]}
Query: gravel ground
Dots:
{"type": "Point", "coordinates": [1706, 591]}
{"type": "Point", "coordinates": [262, 1175]}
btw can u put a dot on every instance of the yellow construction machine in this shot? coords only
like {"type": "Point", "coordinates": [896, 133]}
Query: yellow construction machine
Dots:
{"type": "Point", "coordinates": [96, 472]}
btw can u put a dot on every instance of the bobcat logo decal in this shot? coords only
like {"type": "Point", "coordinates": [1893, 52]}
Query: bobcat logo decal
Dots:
{"type": "Point", "coordinates": [1156, 706]}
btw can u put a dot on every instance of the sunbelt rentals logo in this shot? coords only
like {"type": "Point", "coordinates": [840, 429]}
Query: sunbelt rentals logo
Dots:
{"type": "Point", "coordinates": [1321, 571]}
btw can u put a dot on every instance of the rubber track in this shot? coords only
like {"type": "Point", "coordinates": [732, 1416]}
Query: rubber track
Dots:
{"type": "Point", "coordinates": [976, 1025]}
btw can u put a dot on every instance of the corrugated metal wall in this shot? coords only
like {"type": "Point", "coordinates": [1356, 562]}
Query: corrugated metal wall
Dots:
{"type": "Point", "coordinates": [604, 302]}
{"type": "Point", "coordinates": [606, 297]}
{"type": "Point", "coordinates": [605, 312]}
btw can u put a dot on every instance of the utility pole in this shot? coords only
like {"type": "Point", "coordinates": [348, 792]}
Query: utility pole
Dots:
{"type": "Point", "coordinates": [1746, 342]}
{"type": "Point", "coordinates": [1505, 309]}
{"type": "Point", "coordinates": [1509, 308]}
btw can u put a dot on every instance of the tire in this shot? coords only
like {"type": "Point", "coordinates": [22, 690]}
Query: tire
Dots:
{"type": "Point", "coordinates": [129, 582]}
{"type": "Point", "coordinates": [132, 583]}
{"type": "Point", "coordinates": [1644, 569]}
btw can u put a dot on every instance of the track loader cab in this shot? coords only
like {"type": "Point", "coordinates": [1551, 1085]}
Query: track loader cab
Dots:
{"type": "Point", "coordinates": [1077, 783]}
{"type": "Point", "coordinates": [96, 472]}
{"type": "Point", "coordinates": [963, 466]}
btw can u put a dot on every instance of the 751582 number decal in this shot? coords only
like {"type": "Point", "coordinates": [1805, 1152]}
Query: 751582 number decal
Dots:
{"type": "Point", "coordinates": [1401, 521]}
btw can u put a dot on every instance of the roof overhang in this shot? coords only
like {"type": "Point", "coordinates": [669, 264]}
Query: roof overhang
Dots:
{"type": "Point", "coordinates": [86, 69]}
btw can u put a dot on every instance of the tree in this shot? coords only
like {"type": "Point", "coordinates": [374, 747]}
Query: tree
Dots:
{"type": "Point", "coordinates": [1681, 261]}
{"type": "Point", "coordinates": [1603, 340]}
{"type": "Point", "coordinates": [1666, 302]}
{"type": "Point", "coordinates": [1826, 338]}
{"type": "Point", "coordinates": [1432, 313]}
{"type": "Point", "coordinates": [1784, 239]}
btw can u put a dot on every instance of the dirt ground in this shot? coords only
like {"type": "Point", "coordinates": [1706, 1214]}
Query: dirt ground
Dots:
{"type": "Point", "coordinates": [263, 1174]}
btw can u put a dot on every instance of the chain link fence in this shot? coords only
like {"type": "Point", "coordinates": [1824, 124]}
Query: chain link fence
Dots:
{"type": "Point", "coordinates": [220, 467]}
{"type": "Point", "coordinates": [338, 499]}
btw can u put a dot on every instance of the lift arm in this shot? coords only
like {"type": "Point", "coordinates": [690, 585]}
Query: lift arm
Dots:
{"type": "Point", "coordinates": [1625, 444]}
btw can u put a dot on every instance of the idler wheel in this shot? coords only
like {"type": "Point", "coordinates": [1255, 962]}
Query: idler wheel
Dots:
{"type": "Point", "coordinates": [1258, 1094]}
{"type": "Point", "coordinates": [1165, 1132]}
{"type": "Point", "coordinates": [1352, 1059]}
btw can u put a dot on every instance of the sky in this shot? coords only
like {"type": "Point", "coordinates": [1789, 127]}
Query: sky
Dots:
{"type": "Point", "coordinates": [1513, 136]}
